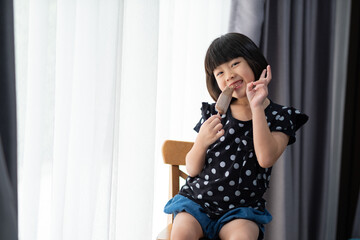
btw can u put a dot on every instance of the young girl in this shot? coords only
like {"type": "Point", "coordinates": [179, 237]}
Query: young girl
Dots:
{"type": "Point", "coordinates": [230, 164]}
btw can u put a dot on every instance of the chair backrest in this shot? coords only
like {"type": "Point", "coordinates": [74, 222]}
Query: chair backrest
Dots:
{"type": "Point", "coordinates": [174, 153]}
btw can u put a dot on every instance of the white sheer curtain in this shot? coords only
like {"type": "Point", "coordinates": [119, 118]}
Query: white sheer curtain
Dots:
{"type": "Point", "coordinates": [100, 85]}
{"type": "Point", "coordinates": [186, 30]}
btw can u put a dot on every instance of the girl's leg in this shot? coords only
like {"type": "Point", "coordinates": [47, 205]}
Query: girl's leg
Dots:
{"type": "Point", "coordinates": [186, 227]}
{"type": "Point", "coordinates": [239, 229]}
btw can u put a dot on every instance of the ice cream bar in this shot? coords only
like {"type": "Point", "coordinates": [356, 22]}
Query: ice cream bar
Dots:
{"type": "Point", "coordinates": [224, 100]}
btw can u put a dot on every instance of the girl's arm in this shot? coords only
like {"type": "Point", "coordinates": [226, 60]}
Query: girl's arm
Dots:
{"type": "Point", "coordinates": [210, 131]}
{"type": "Point", "coordinates": [268, 145]}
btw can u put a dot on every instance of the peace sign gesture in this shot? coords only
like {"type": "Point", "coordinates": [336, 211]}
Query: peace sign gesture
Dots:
{"type": "Point", "coordinates": [257, 91]}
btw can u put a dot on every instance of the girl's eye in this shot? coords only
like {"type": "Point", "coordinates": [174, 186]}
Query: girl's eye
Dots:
{"type": "Point", "coordinates": [218, 74]}
{"type": "Point", "coordinates": [236, 63]}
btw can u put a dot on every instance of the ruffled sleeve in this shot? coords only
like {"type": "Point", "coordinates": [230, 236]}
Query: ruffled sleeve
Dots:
{"type": "Point", "coordinates": [207, 110]}
{"type": "Point", "coordinates": [287, 120]}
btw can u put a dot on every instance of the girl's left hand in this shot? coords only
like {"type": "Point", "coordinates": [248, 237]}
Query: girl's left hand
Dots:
{"type": "Point", "coordinates": [257, 91]}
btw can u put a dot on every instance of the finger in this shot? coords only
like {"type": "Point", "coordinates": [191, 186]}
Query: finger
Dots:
{"type": "Point", "coordinates": [218, 127]}
{"type": "Point", "coordinates": [214, 122]}
{"type": "Point", "coordinates": [261, 81]}
{"type": "Point", "coordinates": [263, 74]}
{"type": "Point", "coordinates": [220, 133]}
{"type": "Point", "coordinates": [268, 75]}
{"type": "Point", "coordinates": [250, 86]}
{"type": "Point", "coordinates": [258, 86]}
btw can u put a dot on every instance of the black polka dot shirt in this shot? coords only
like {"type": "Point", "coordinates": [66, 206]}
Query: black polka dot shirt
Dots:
{"type": "Point", "coordinates": [232, 176]}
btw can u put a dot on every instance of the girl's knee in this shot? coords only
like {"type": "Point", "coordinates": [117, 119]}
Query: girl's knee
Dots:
{"type": "Point", "coordinates": [240, 229]}
{"type": "Point", "coordinates": [186, 227]}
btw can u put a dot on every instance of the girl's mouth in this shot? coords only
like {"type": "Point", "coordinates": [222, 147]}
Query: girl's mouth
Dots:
{"type": "Point", "coordinates": [237, 84]}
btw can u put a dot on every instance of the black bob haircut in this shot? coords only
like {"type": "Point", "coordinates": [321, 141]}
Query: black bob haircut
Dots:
{"type": "Point", "coordinates": [226, 48]}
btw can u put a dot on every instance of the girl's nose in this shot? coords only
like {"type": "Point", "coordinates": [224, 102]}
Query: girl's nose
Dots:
{"type": "Point", "coordinates": [230, 76]}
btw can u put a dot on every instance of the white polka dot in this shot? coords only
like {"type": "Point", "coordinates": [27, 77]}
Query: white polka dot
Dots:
{"type": "Point", "coordinates": [217, 154]}
{"type": "Point", "coordinates": [268, 178]}
{"type": "Point", "coordinates": [236, 166]}
{"type": "Point", "coordinates": [297, 111]}
{"type": "Point", "coordinates": [277, 117]}
{"type": "Point", "coordinates": [242, 201]}
{"type": "Point", "coordinates": [231, 131]}
{"type": "Point", "coordinates": [232, 183]}
{"type": "Point", "coordinates": [255, 182]}
{"type": "Point", "coordinates": [226, 198]}
{"type": "Point", "coordinates": [274, 112]}
{"type": "Point", "coordinates": [269, 124]}
{"type": "Point", "coordinates": [227, 147]}
{"type": "Point", "coordinates": [251, 154]}
{"type": "Point", "coordinates": [239, 149]}
{"type": "Point", "coordinates": [232, 157]}
{"type": "Point", "coordinates": [207, 177]}
{"type": "Point", "coordinates": [244, 142]}
{"type": "Point", "coordinates": [227, 122]}
{"type": "Point", "coordinates": [210, 193]}
{"type": "Point", "coordinates": [227, 173]}
{"type": "Point", "coordinates": [240, 180]}
{"type": "Point", "coordinates": [206, 182]}
{"type": "Point", "coordinates": [222, 138]}
{"type": "Point", "coordinates": [231, 206]}
{"type": "Point", "coordinates": [213, 170]}
{"type": "Point", "coordinates": [185, 187]}
{"type": "Point", "coordinates": [252, 194]}
{"type": "Point", "coordinates": [248, 172]}
{"type": "Point", "coordinates": [221, 188]}
{"type": "Point", "coordinates": [199, 196]}
{"type": "Point", "coordinates": [209, 160]}
{"type": "Point", "coordinates": [278, 128]}
{"type": "Point", "coordinates": [244, 163]}
{"type": "Point", "coordinates": [241, 124]}
{"type": "Point", "coordinates": [197, 185]}
{"type": "Point", "coordinates": [259, 176]}
{"type": "Point", "coordinates": [246, 133]}
{"type": "Point", "coordinates": [207, 204]}
{"type": "Point", "coordinates": [264, 176]}
{"type": "Point", "coordinates": [237, 193]}
{"type": "Point", "coordinates": [237, 140]}
{"type": "Point", "coordinates": [216, 203]}
{"type": "Point", "coordinates": [222, 164]}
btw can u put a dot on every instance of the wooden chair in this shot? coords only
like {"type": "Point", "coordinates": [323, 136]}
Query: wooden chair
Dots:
{"type": "Point", "coordinates": [174, 153]}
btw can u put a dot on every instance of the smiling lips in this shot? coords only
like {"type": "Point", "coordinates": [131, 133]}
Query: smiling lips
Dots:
{"type": "Point", "coordinates": [236, 84]}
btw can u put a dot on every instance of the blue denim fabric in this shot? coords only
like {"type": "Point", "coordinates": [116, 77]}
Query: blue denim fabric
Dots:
{"type": "Point", "coordinates": [211, 227]}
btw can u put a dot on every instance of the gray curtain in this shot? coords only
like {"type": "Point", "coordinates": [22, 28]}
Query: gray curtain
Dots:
{"type": "Point", "coordinates": [8, 157]}
{"type": "Point", "coordinates": [305, 42]}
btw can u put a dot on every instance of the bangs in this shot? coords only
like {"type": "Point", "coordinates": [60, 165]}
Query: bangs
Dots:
{"type": "Point", "coordinates": [219, 54]}
{"type": "Point", "coordinates": [224, 49]}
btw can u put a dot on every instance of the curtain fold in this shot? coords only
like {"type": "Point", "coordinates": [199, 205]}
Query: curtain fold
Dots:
{"type": "Point", "coordinates": [186, 29]}
{"type": "Point", "coordinates": [305, 43]}
{"type": "Point", "coordinates": [67, 62]}
{"type": "Point", "coordinates": [101, 84]}
{"type": "Point", "coordinates": [8, 127]}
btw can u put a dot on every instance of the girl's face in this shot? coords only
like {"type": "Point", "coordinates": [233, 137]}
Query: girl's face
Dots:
{"type": "Point", "coordinates": [235, 73]}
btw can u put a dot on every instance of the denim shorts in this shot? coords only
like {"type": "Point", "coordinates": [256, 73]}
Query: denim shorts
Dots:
{"type": "Point", "coordinates": [211, 227]}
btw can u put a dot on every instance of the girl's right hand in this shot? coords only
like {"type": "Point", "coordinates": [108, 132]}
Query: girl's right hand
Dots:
{"type": "Point", "coordinates": [210, 131]}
